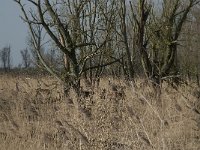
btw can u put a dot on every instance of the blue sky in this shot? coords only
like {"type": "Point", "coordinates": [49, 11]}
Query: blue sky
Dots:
{"type": "Point", "coordinates": [13, 31]}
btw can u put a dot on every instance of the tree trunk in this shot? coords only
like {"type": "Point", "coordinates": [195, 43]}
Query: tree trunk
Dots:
{"type": "Point", "coordinates": [197, 80]}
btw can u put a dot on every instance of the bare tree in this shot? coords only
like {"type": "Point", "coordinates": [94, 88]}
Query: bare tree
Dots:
{"type": "Point", "coordinates": [5, 55]}
{"type": "Point", "coordinates": [124, 32]}
{"type": "Point", "coordinates": [80, 33]}
{"type": "Point", "coordinates": [189, 52]}
{"type": "Point", "coordinates": [26, 58]}
{"type": "Point", "coordinates": [158, 35]}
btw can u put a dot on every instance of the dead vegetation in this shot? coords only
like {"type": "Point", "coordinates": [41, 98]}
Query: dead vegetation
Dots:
{"type": "Point", "coordinates": [35, 114]}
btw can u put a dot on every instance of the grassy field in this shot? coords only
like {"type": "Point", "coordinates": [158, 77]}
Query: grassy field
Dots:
{"type": "Point", "coordinates": [36, 115]}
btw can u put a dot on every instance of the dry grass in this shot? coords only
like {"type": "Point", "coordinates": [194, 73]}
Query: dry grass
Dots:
{"type": "Point", "coordinates": [35, 114]}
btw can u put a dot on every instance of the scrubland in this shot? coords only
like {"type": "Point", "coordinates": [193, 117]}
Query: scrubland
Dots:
{"type": "Point", "coordinates": [117, 115]}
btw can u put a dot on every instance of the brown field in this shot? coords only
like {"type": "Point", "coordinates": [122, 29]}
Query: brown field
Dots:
{"type": "Point", "coordinates": [35, 115]}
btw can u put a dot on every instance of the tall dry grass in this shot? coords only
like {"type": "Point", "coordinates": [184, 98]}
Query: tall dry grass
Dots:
{"type": "Point", "coordinates": [35, 114]}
